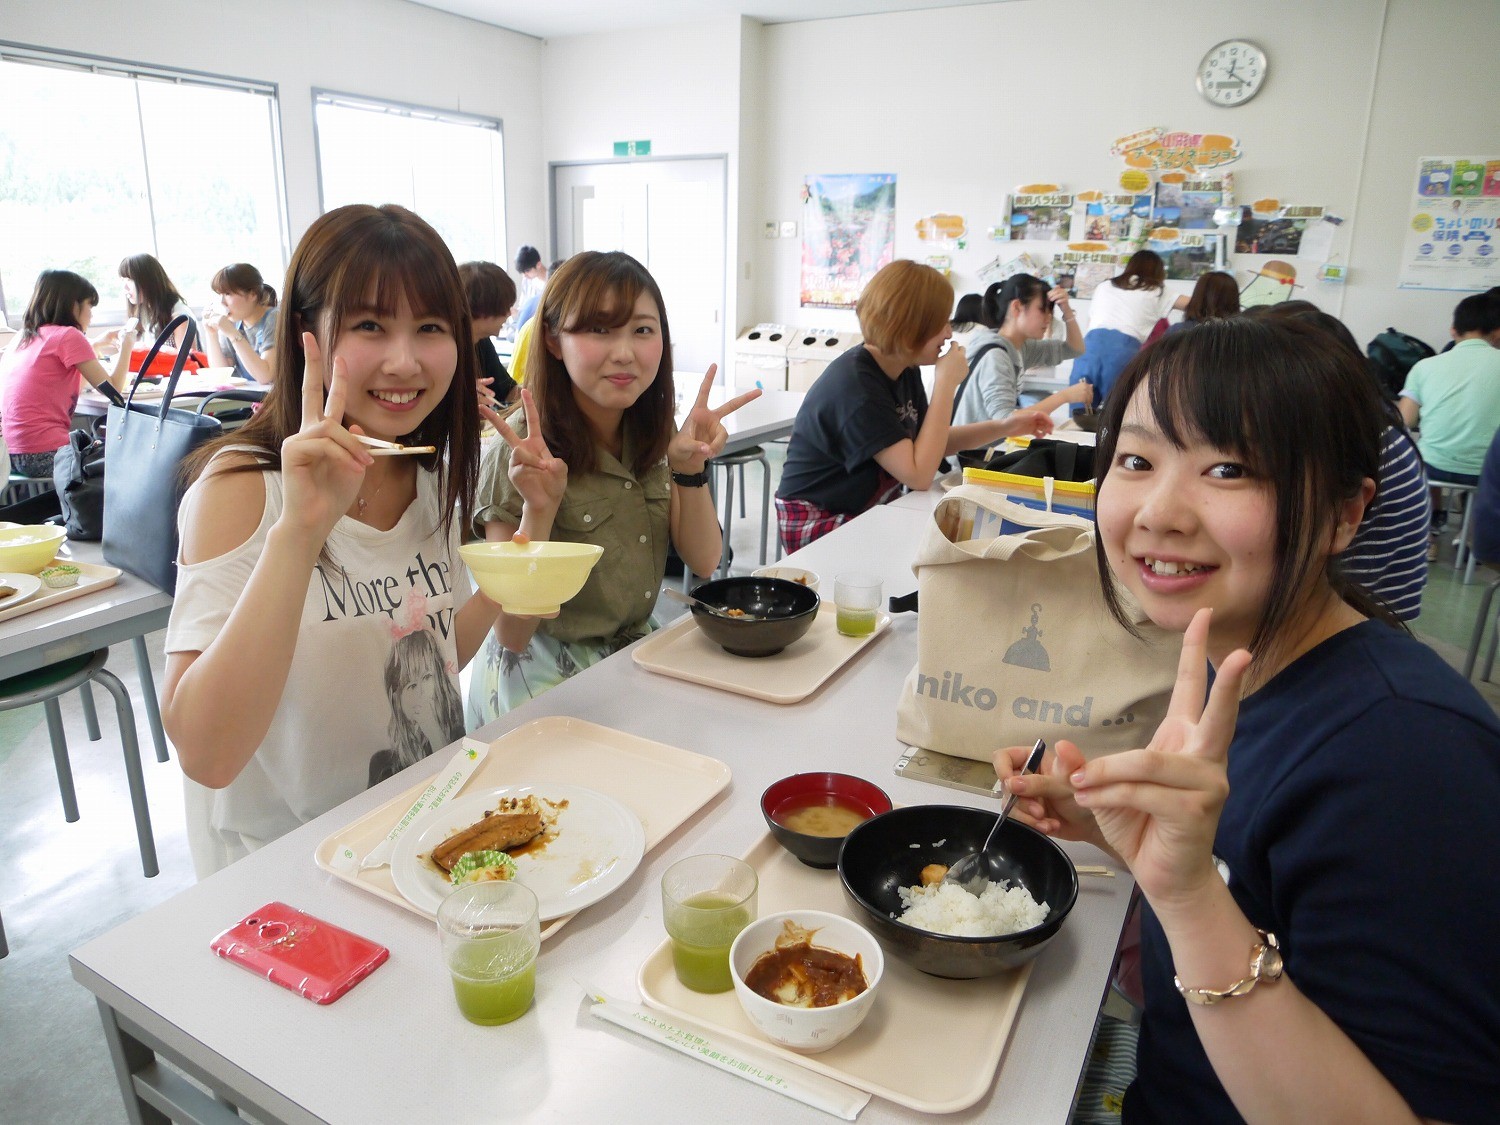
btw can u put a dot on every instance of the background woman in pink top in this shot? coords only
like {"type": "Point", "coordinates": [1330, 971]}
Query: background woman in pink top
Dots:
{"type": "Point", "coordinates": [45, 368]}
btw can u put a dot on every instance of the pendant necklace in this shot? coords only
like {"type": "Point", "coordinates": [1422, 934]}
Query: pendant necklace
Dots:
{"type": "Point", "coordinates": [361, 503]}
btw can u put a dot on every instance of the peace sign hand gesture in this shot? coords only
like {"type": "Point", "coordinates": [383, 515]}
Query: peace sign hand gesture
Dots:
{"type": "Point", "coordinates": [539, 477]}
{"type": "Point", "coordinates": [1159, 807]}
{"type": "Point", "coordinates": [702, 434]}
{"type": "Point", "coordinates": [323, 464]}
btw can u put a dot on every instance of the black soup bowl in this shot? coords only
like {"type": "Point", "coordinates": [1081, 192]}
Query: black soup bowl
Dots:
{"type": "Point", "coordinates": [778, 612]}
{"type": "Point", "coordinates": [878, 858]}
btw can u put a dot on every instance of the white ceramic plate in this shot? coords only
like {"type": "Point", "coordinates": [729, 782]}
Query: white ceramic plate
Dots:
{"type": "Point", "coordinates": [24, 585]}
{"type": "Point", "coordinates": [599, 844]}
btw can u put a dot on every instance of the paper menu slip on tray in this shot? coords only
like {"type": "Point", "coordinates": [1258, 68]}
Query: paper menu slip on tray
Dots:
{"type": "Point", "coordinates": [930, 1044]}
{"type": "Point", "coordinates": [662, 785]}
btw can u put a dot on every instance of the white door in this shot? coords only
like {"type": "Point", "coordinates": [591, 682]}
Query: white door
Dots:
{"type": "Point", "coordinates": [669, 214]}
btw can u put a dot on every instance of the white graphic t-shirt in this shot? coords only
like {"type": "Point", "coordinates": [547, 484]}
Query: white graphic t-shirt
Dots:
{"type": "Point", "coordinates": [373, 685]}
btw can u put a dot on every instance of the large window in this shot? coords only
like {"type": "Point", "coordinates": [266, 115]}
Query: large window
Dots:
{"type": "Point", "coordinates": [101, 160]}
{"type": "Point", "coordinates": [448, 168]}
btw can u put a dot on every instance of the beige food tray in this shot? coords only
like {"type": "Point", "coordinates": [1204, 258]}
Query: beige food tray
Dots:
{"type": "Point", "coordinates": [660, 784]}
{"type": "Point", "coordinates": [930, 1044]}
{"type": "Point", "coordinates": [91, 577]}
{"type": "Point", "coordinates": [681, 650]}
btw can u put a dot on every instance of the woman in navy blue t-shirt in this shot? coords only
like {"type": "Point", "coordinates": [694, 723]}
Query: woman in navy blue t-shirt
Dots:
{"type": "Point", "coordinates": [1313, 842]}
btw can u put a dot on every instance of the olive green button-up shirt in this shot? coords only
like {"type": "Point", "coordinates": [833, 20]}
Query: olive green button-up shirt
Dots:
{"type": "Point", "coordinates": [611, 508]}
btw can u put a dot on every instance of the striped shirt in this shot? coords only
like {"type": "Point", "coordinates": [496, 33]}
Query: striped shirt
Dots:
{"type": "Point", "coordinates": [1389, 554]}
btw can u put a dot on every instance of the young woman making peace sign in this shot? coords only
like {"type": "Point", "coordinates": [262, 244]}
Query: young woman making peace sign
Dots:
{"type": "Point", "coordinates": [600, 461]}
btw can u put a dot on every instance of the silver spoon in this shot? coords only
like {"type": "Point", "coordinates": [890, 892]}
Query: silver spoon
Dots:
{"type": "Point", "coordinates": [973, 872]}
{"type": "Point", "coordinates": [688, 599]}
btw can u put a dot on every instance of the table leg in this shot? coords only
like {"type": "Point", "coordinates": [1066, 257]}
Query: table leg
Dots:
{"type": "Point", "coordinates": [148, 689]}
{"type": "Point", "coordinates": [129, 1055]}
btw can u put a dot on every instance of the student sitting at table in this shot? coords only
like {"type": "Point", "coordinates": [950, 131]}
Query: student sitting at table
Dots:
{"type": "Point", "coordinates": [47, 364]}
{"type": "Point", "coordinates": [599, 460]}
{"type": "Point", "coordinates": [1015, 319]}
{"type": "Point", "coordinates": [492, 297]}
{"type": "Point", "coordinates": [1124, 311]}
{"type": "Point", "coordinates": [1310, 953]}
{"type": "Point", "coordinates": [240, 332]}
{"type": "Point", "coordinates": [307, 565]}
{"type": "Point", "coordinates": [151, 297]}
{"type": "Point", "coordinates": [1215, 295]}
{"type": "Point", "coordinates": [864, 432]}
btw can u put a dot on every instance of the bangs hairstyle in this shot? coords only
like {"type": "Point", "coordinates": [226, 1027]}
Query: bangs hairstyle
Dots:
{"type": "Point", "coordinates": [589, 291]}
{"type": "Point", "coordinates": [242, 277]}
{"type": "Point", "coordinates": [1227, 384]}
{"type": "Point", "coordinates": [904, 305]}
{"type": "Point", "coordinates": [356, 258]}
{"type": "Point", "coordinates": [57, 294]}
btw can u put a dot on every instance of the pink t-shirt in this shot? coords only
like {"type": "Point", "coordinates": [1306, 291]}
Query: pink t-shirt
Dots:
{"type": "Point", "coordinates": [39, 386]}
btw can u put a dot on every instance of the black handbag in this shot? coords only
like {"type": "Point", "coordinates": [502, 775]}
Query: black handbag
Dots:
{"type": "Point", "coordinates": [78, 476]}
{"type": "Point", "coordinates": [1044, 457]}
{"type": "Point", "coordinates": [146, 443]}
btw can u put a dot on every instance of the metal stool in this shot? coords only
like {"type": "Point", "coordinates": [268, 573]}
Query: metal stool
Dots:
{"type": "Point", "coordinates": [729, 463]}
{"type": "Point", "coordinates": [1463, 556]}
{"type": "Point", "coordinates": [1481, 623]}
{"type": "Point", "coordinates": [46, 686]}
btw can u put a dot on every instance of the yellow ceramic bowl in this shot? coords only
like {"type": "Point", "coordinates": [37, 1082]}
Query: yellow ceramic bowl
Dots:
{"type": "Point", "coordinates": [532, 579]}
{"type": "Point", "coordinates": [26, 550]}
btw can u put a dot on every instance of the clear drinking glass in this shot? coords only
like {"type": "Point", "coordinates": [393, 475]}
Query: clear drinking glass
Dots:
{"type": "Point", "coordinates": [706, 900]}
{"type": "Point", "coordinates": [491, 937]}
{"type": "Point", "coordinates": [857, 598]}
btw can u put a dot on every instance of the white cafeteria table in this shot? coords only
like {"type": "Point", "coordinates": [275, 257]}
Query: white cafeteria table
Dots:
{"type": "Point", "coordinates": [396, 1049]}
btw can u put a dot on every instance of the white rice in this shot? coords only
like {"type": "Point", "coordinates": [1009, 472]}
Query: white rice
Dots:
{"type": "Point", "coordinates": [945, 908]}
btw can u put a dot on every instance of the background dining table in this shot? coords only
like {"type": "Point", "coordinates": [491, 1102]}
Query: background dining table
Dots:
{"type": "Point", "coordinates": [396, 1048]}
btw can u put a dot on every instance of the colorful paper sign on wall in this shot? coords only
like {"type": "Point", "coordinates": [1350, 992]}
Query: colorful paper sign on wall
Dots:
{"type": "Point", "coordinates": [1157, 149]}
{"type": "Point", "coordinates": [1273, 283]}
{"type": "Point", "coordinates": [848, 232]}
{"type": "Point", "coordinates": [941, 227]}
{"type": "Point", "coordinates": [1107, 217]}
{"type": "Point", "coordinates": [1453, 235]}
{"type": "Point", "coordinates": [1034, 217]}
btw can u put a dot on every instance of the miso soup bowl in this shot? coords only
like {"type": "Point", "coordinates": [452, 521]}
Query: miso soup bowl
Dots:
{"type": "Point", "coordinates": [801, 789]}
{"type": "Point", "coordinates": [807, 1030]}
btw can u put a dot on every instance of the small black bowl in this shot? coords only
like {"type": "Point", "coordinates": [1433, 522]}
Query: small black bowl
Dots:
{"type": "Point", "coordinates": [1087, 420]}
{"type": "Point", "coordinates": [781, 612]}
{"type": "Point", "coordinates": [878, 857]}
{"type": "Point", "coordinates": [803, 789]}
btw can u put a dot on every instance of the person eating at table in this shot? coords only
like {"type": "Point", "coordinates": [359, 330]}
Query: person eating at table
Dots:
{"type": "Point", "coordinates": [866, 431]}
{"type": "Point", "coordinates": [1312, 841]}
{"type": "Point", "coordinates": [307, 562]}
{"type": "Point", "coordinates": [240, 332]}
{"type": "Point", "coordinates": [151, 298]}
{"type": "Point", "coordinates": [492, 297]}
{"type": "Point", "coordinates": [598, 460]}
{"type": "Point", "coordinates": [47, 364]}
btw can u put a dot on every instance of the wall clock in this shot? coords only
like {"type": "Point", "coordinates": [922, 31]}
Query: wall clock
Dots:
{"type": "Point", "coordinates": [1232, 72]}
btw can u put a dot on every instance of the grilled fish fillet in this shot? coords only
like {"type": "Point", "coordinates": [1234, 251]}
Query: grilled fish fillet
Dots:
{"type": "Point", "coordinates": [515, 822]}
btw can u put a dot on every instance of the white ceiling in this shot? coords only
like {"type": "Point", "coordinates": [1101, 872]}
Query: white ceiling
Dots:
{"type": "Point", "coordinates": [547, 19]}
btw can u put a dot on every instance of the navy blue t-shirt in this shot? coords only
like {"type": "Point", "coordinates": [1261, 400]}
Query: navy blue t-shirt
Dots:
{"type": "Point", "coordinates": [853, 411]}
{"type": "Point", "coordinates": [1362, 828]}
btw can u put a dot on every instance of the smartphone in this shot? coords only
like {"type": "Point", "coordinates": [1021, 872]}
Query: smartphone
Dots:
{"type": "Point", "coordinates": [307, 955]}
{"type": "Point", "coordinates": [130, 325]}
{"type": "Point", "coordinates": [944, 769]}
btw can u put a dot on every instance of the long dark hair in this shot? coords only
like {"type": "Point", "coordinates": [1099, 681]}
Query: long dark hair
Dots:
{"type": "Point", "coordinates": [358, 257]}
{"type": "Point", "coordinates": [1018, 287]}
{"type": "Point", "coordinates": [57, 294]}
{"type": "Point", "coordinates": [1144, 270]}
{"type": "Point", "coordinates": [594, 290]}
{"type": "Point", "coordinates": [242, 277]}
{"type": "Point", "coordinates": [155, 295]}
{"type": "Point", "coordinates": [1228, 383]}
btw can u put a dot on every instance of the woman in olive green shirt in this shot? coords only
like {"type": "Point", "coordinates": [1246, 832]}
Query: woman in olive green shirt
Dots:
{"type": "Point", "coordinates": [599, 460]}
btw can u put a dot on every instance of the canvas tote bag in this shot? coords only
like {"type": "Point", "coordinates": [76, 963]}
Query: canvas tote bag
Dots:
{"type": "Point", "coordinates": [145, 444]}
{"type": "Point", "coordinates": [1014, 642]}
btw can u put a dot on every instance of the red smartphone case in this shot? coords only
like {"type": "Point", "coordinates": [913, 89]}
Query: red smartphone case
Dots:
{"type": "Point", "coordinates": [313, 958]}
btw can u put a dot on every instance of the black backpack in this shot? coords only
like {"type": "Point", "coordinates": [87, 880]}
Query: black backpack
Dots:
{"type": "Point", "coordinates": [1393, 354]}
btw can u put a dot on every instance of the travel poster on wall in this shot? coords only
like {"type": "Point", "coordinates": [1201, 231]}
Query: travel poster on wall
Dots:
{"type": "Point", "coordinates": [1452, 238]}
{"type": "Point", "coordinates": [848, 232]}
{"type": "Point", "coordinates": [1258, 234]}
{"type": "Point", "coordinates": [1037, 218]}
{"type": "Point", "coordinates": [1188, 254]}
{"type": "Point", "coordinates": [1107, 219]}
{"type": "Point", "coordinates": [1187, 204]}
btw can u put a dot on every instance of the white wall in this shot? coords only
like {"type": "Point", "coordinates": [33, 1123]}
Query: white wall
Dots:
{"type": "Point", "coordinates": [381, 48]}
{"type": "Point", "coordinates": [678, 87]}
{"type": "Point", "coordinates": [965, 103]}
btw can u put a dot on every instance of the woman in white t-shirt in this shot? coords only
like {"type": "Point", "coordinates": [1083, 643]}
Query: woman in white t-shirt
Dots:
{"type": "Point", "coordinates": [320, 618]}
{"type": "Point", "coordinates": [151, 297]}
{"type": "Point", "coordinates": [1124, 311]}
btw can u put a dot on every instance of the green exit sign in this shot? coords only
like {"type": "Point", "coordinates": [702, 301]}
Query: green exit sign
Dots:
{"type": "Point", "coordinates": [632, 148]}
